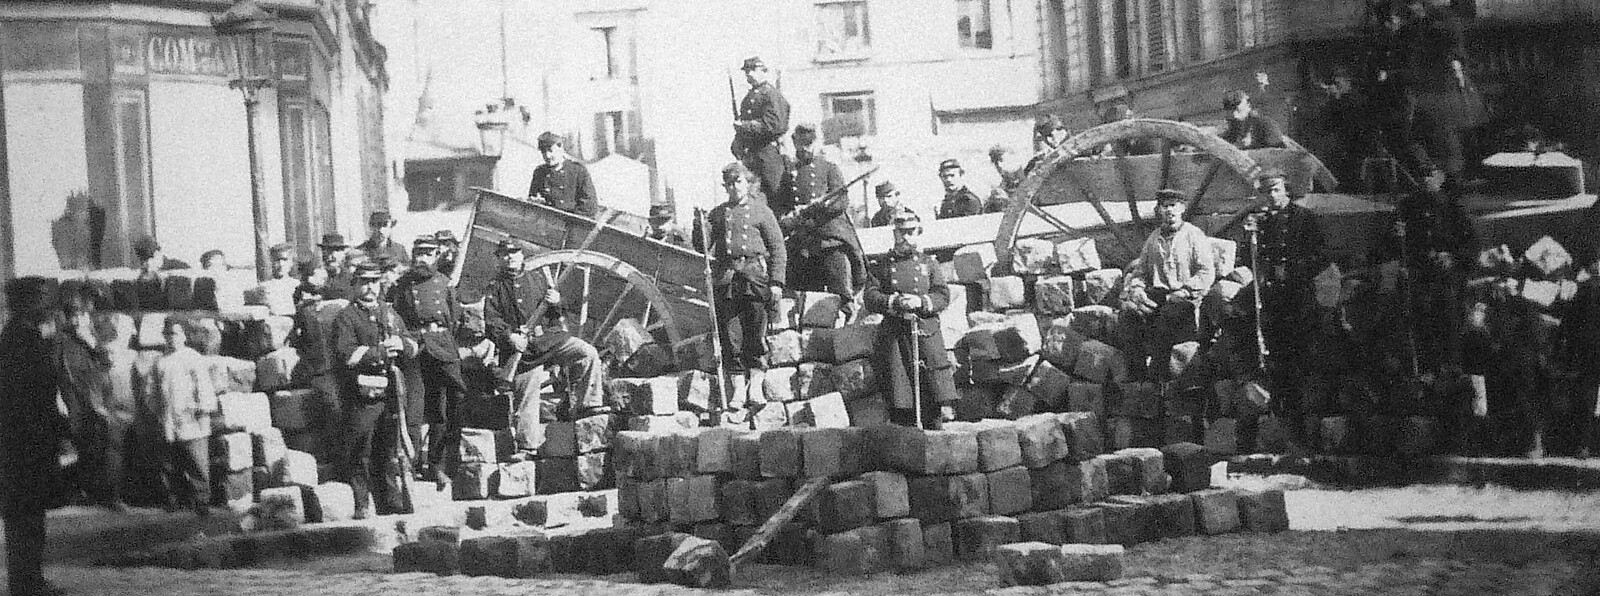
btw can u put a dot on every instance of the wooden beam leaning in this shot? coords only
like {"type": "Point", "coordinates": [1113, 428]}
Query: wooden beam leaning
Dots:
{"type": "Point", "coordinates": [769, 530]}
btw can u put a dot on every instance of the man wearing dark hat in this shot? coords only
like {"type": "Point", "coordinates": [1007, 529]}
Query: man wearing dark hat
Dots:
{"type": "Point", "coordinates": [151, 259]}
{"type": "Point", "coordinates": [888, 203]}
{"type": "Point", "coordinates": [336, 268]}
{"type": "Point", "coordinates": [380, 245]}
{"type": "Point", "coordinates": [1164, 285]}
{"type": "Point", "coordinates": [522, 313]}
{"type": "Point", "coordinates": [759, 126]}
{"type": "Point", "coordinates": [749, 262]}
{"type": "Point", "coordinates": [1436, 236]}
{"type": "Point", "coordinates": [663, 228]}
{"type": "Point", "coordinates": [1048, 133]}
{"type": "Point", "coordinates": [369, 338]}
{"type": "Point", "coordinates": [425, 301]}
{"type": "Point", "coordinates": [1247, 128]}
{"type": "Point", "coordinates": [959, 201]}
{"type": "Point", "coordinates": [825, 254]}
{"type": "Point", "coordinates": [908, 288]}
{"type": "Point", "coordinates": [31, 430]}
{"type": "Point", "coordinates": [561, 182]}
{"type": "Point", "coordinates": [449, 252]}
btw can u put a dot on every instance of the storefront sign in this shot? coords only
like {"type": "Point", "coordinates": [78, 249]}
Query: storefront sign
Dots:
{"type": "Point", "coordinates": [188, 54]}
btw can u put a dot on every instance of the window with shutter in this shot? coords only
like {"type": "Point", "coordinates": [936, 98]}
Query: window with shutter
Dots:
{"type": "Point", "coordinates": [1155, 24]}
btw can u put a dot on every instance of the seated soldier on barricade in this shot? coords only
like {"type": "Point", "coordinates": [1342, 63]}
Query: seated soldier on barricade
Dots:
{"type": "Point", "coordinates": [1164, 285]}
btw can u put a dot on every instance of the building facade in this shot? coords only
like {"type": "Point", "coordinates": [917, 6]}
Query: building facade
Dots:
{"type": "Point", "coordinates": [119, 122]}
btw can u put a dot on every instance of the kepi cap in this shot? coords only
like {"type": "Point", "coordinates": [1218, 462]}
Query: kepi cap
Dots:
{"type": "Point", "coordinates": [805, 128]}
{"type": "Point", "coordinates": [446, 237]}
{"type": "Point", "coordinates": [950, 164]}
{"type": "Point", "coordinates": [1169, 196]}
{"type": "Point", "coordinates": [425, 244]}
{"type": "Point", "coordinates": [379, 218]}
{"type": "Point", "coordinates": [661, 211]}
{"type": "Point", "coordinates": [752, 63]}
{"type": "Point", "coordinates": [549, 139]}
{"type": "Point", "coordinates": [906, 219]}
{"type": "Point", "coordinates": [282, 249]}
{"type": "Point", "coordinates": [369, 270]}
{"type": "Point", "coordinates": [507, 246]}
{"type": "Point", "coordinates": [884, 189]}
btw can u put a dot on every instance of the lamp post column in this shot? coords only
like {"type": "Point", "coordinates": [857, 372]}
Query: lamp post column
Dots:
{"type": "Point", "coordinates": [258, 195]}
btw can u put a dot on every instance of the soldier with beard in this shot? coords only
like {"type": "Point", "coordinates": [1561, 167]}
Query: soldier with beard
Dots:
{"type": "Point", "coordinates": [425, 301]}
{"type": "Point", "coordinates": [825, 254]}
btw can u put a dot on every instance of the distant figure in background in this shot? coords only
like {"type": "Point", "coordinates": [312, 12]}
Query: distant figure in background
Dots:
{"type": "Point", "coordinates": [449, 252]}
{"type": "Point", "coordinates": [86, 384]}
{"type": "Point", "coordinates": [999, 201]}
{"type": "Point", "coordinates": [1048, 133]}
{"type": "Point", "coordinates": [663, 228]}
{"type": "Point", "coordinates": [277, 292]}
{"type": "Point", "coordinates": [1247, 128]}
{"type": "Point", "coordinates": [214, 261]}
{"type": "Point", "coordinates": [889, 203]}
{"type": "Point", "coordinates": [1436, 235]}
{"type": "Point", "coordinates": [186, 397]}
{"type": "Point", "coordinates": [151, 260]}
{"type": "Point", "coordinates": [335, 268]}
{"type": "Point", "coordinates": [1010, 179]}
{"type": "Point", "coordinates": [959, 201]}
{"type": "Point", "coordinates": [1129, 147]}
{"type": "Point", "coordinates": [31, 431]}
{"type": "Point", "coordinates": [908, 288]}
{"type": "Point", "coordinates": [561, 182]}
{"type": "Point", "coordinates": [380, 243]}
{"type": "Point", "coordinates": [759, 127]}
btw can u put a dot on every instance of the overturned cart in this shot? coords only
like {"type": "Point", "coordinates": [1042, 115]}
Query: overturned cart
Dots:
{"type": "Point", "coordinates": [608, 267]}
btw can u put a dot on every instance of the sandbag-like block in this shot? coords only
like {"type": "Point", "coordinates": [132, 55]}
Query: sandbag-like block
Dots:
{"type": "Point", "coordinates": [972, 262]}
{"type": "Point", "coordinates": [870, 410]}
{"type": "Point", "coordinates": [233, 490]}
{"type": "Point", "coordinates": [1127, 523]}
{"type": "Point", "coordinates": [1263, 511]}
{"type": "Point", "coordinates": [855, 378]}
{"type": "Point", "coordinates": [1087, 481]}
{"type": "Point", "coordinates": [1082, 431]}
{"type": "Point", "coordinates": [1041, 440]}
{"type": "Point", "coordinates": [1049, 386]}
{"type": "Point", "coordinates": [1138, 400]}
{"type": "Point", "coordinates": [472, 481]}
{"type": "Point", "coordinates": [1151, 469]}
{"type": "Point", "coordinates": [938, 543]}
{"type": "Point", "coordinates": [1007, 292]}
{"type": "Point", "coordinates": [905, 541]}
{"type": "Point", "coordinates": [787, 348]}
{"type": "Point", "coordinates": [819, 309]}
{"type": "Point", "coordinates": [1222, 436]}
{"type": "Point", "coordinates": [1098, 362]}
{"type": "Point", "coordinates": [1216, 510]}
{"type": "Point", "coordinates": [977, 537]}
{"type": "Point", "coordinates": [652, 396]}
{"type": "Point", "coordinates": [1020, 337]}
{"type": "Point", "coordinates": [853, 342]}
{"type": "Point", "coordinates": [1053, 295]}
{"type": "Point", "coordinates": [515, 479]}
{"type": "Point", "coordinates": [1015, 402]}
{"type": "Point", "coordinates": [998, 443]}
{"type": "Point", "coordinates": [1043, 526]}
{"type": "Point", "coordinates": [1052, 487]}
{"type": "Point", "coordinates": [692, 500]}
{"type": "Point", "coordinates": [650, 360]}
{"type": "Point", "coordinates": [439, 558]}
{"type": "Point", "coordinates": [1101, 286]}
{"type": "Point", "coordinates": [855, 552]}
{"type": "Point", "coordinates": [931, 499]}
{"type": "Point", "coordinates": [554, 475]}
{"type": "Point", "coordinates": [329, 502]}
{"type": "Point", "coordinates": [737, 503]}
{"type": "Point", "coordinates": [233, 451]}
{"type": "Point", "coordinates": [1010, 491]}
{"type": "Point", "coordinates": [249, 412]}
{"type": "Point", "coordinates": [1087, 397]}
{"type": "Point", "coordinates": [833, 452]}
{"type": "Point", "coordinates": [1095, 321]}
{"type": "Point", "coordinates": [1188, 465]}
{"type": "Point", "coordinates": [593, 471]}
{"type": "Point", "coordinates": [678, 453]}
{"type": "Point", "coordinates": [824, 411]}
{"type": "Point", "coordinates": [268, 447]}
{"type": "Point", "coordinates": [294, 409]}
{"type": "Point", "coordinates": [845, 506]}
{"type": "Point", "coordinates": [890, 492]}
{"type": "Point", "coordinates": [290, 503]}
{"type": "Point", "coordinates": [714, 451]}
{"type": "Point", "coordinates": [696, 392]}
{"type": "Point", "coordinates": [1122, 474]}
{"type": "Point", "coordinates": [1078, 255]}
{"type": "Point", "coordinates": [969, 493]}
{"type": "Point", "coordinates": [781, 455]}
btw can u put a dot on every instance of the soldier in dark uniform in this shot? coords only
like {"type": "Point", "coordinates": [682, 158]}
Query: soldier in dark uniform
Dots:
{"type": "Point", "coordinates": [1439, 243]}
{"type": "Point", "coordinates": [888, 204]}
{"type": "Point", "coordinates": [959, 201]}
{"type": "Point", "coordinates": [510, 304]}
{"type": "Point", "coordinates": [1048, 133]}
{"type": "Point", "coordinates": [1289, 255]}
{"type": "Point", "coordinates": [337, 285]}
{"type": "Point", "coordinates": [425, 301]}
{"type": "Point", "coordinates": [561, 182]}
{"type": "Point", "coordinates": [762, 120]}
{"type": "Point", "coordinates": [31, 430]}
{"type": "Point", "coordinates": [86, 384]}
{"type": "Point", "coordinates": [449, 252]}
{"type": "Point", "coordinates": [825, 253]}
{"type": "Point", "coordinates": [368, 338]}
{"type": "Point", "coordinates": [1247, 128]}
{"type": "Point", "coordinates": [380, 244]}
{"type": "Point", "coordinates": [748, 265]}
{"type": "Point", "coordinates": [663, 228]}
{"type": "Point", "coordinates": [908, 288]}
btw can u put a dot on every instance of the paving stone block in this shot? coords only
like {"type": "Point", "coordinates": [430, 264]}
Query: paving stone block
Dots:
{"type": "Point", "coordinates": [786, 348]}
{"type": "Point", "coordinates": [1122, 474]}
{"type": "Point", "coordinates": [819, 309]}
{"type": "Point", "coordinates": [1078, 255]}
{"type": "Point", "coordinates": [248, 412]}
{"type": "Point", "coordinates": [976, 402]}
{"type": "Point", "coordinates": [653, 504]}
{"type": "Point", "coordinates": [969, 493]}
{"type": "Point", "coordinates": [1052, 295]}
{"type": "Point", "coordinates": [1094, 321]}
{"type": "Point", "coordinates": [532, 556]}
{"type": "Point", "coordinates": [695, 353]}
{"type": "Point", "coordinates": [938, 543]}
{"type": "Point", "coordinates": [296, 467]}
{"type": "Point", "coordinates": [1272, 435]}
{"type": "Point", "coordinates": [1174, 515]}
{"type": "Point", "coordinates": [1050, 387]}
{"type": "Point", "coordinates": [868, 410]}
{"type": "Point", "coordinates": [891, 496]}
{"type": "Point", "coordinates": [233, 451]}
{"type": "Point", "coordinates": [978, 344]}
{"type": "Point", "coordinates": [1087, 481]}
{"type": "Point", "coordinates": [697, 391]}
{"type": "Point", "coordinates": [439, 558]}
{"type": "Point", "coordinates": [678, 453]}
{"type": "Point", "coordinates": [488, 556]}
{"type": "Point", "coordinates": [779, 384]}
{"type": "Point", "coordinates": [1138, 400]}
{"type": "Point", "coordinates": [593, 471]}
{"type": "Point", "coordinates": [1263, 511]}
{"type": "Point", "coordinates": [653, 424]}
{"type": "Point", "coordinates": [899, 448]}
{"type": "Point", "coordinates": [856, 552]}
{"type": "Point", "coordinates": [593, 433]}
{"type": "Point", "coordinates": [477, 446]}
{"type": "Point", "coordinates": [855, 378]}
{"type": "Point", "coordinates": [824, 411]}
{"type": "Point", "coordinates": [1151, 466]}
{"type": "Point", "coordinates": [977, 537]}
{"type": "Point", "coordinates": [1189, 466]}
{"type": "Point", "coordinates": [329, 502]}
{"type": "Point", "coordinates": [607, 550]}
{"type": "Point", "coordinates": [1222, 436]}
{"type": "Point", "coordinates": [714, 451]}
{"type": "Point", "coordinates": [1092, 562]}
{"type": "Point", "coordinates": [1043, 526]}
{"type": "Point", "coordinates": [972, 263]}
{"type": "Point", "coordinates": [1030, 564]}
{"type": "Point", "coordinates": [294, 409]}
{"type": "Point", "coordinates": [1041, 440]}
{"type": "Point", "coordinates": [1179, 429]}
{"type": "Point", "coordinates": [854, 342]}
{"type": "Point", "coordinates": [813, 379]}
{"type": "Point", "coordinates": [650, 360]}
{"type": "Point", "coordinates": [1099, 362]}
{"type": "Point", "coordinates": [1032, 256]}
{"type": "Point", "coordinates": [845, 506]}
{"type": "Point", "coordinates": [515, 479]}
{"type": "Point", "coordinates": [1082, 431]}
{"type": "Point", "coordinates": [952, 451]}
{"type": "Point", "coordinates": [1086, 397]}
{"type": "Point", "coordinates": [746, 455]}
{"type": "Point", "coordinates": [471, 481]}
{"type": "Point", "coordinates": [647, 396]}
{"type": "Point", "coordinates": [771, 494]}
{"type": "Point", "coordinates": [1085, 525]}
{"type": "Point", "coordinates": [1016, 373]}
{"type": "Point", "coordinates": [781, 454]}
{"type": "Point", "coordinates": [291, 500]}
{"type": "Point", "coordinates": [444, 534]}
{"type": "Point", "coordinates": [904, 538]}
{"type": "Point", "coordinates": [555, 475]}
{"type": "Point", "coordinates": [234, 490]}
{"type": "Point", "coordinates": [834, 452]}
{"type": "Point", "coordinates": [557, 438]}
{"type": "Point", "coordinates": [1334, 435]}
{"type": "Point", "coordinates": [1126, 523]}
{"type": "Point", "coordinates": [1418, 436]}
{"type": "Point", "coordinates": [636, 453]}
{"type": "Point", "coordinates": [1010, 491]}
{"type": "Point", "coordinates": [1051, 486]}
{"type": "Point", "coordinates": [692, 500]}
{"type": "Point", "coordinates": [1216, 510]}
{"type": "Point", "coordinates": [1007, 292]}
{"type": "Point", "coordinates": [999, 445]}
{"type": "Point", "coordinates": [931, 499]}
{"type": "Point", "coordinates": [738, 503]}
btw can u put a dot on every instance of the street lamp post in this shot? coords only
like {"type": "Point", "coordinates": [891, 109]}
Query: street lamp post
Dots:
{"type": "Point", "coordinates": [246, 30]}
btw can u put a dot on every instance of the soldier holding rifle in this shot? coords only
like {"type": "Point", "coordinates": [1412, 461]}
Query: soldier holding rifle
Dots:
{"type": "Point", "coordinates": [907, 287]}
{"type": "Point", "coordinates": [533, 335]}
{"type": "Point", "coordinates": [1288, 254]}
{"type": "Point", "coordinates": [825, 254]}
{"type": "Point", "coordinates": [748, 266]}
{"type": "Point", "coordinates": [425, 301]}
{"type": "Point", "coordinates": [368, 337]}
{"type": "Point", "coordinates": [760, 122]}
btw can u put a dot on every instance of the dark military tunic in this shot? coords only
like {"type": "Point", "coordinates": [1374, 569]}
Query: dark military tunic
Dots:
{"type": "Point", "coordinates": [567, 188]}
{"type": "Point", "coordinates": [425, 301]}
{"type": "Point", "coordinates": [391, 250]}
{"type": "Point", "coordinates": [510, 302]}
{"type": "Point", "coordinates": [369, 428]}
{"type": "Point", "coordinates": [919, 275]}
{"type": "Point", "coordinates": [756, 144]}
{"type": "Point", "coordinates": [747, 255]}
{"type": "Point", "coordinates": [961, 203]}
{"type": "Point", "coordinates": [825, 253]}
{"type": "Point", "coordinates": [1435, 224]}
{"type": "Point", "coordinates": [1253, 132]}
{"type": "Point", "coordinates": [1289, 256]}
{"type": "Point", "coordinates": [31, 431]}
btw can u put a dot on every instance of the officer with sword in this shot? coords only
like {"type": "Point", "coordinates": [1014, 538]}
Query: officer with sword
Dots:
{"type": "Point", "coordinates": [368, 339]}
{"type": "Point", "coordinates": [908, 289]}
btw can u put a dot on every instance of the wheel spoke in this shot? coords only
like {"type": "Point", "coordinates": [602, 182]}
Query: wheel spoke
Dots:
{"type": "Point", "coordinates": [583, 309]}
{"type": "Point", "coordinates": [1099, 207]}
{"type": "Point", "coordinates": [1166, 162]}
{"type": "Point", "coordinates": [1128, 191]}
{"type": "Point", "coordinates": [1200, 193]}
{"type": "Point", "coordinates": [627, 292]}
{"type": "Point", "coordinates": [1050, 218]}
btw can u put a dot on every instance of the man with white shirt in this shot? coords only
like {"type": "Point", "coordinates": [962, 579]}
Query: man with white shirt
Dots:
{"type": "Point", "coordinates": [1164, 285]}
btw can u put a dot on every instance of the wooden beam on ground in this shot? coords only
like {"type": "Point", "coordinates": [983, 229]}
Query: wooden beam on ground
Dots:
{"type": "Point", "coordinates": [769, 530]}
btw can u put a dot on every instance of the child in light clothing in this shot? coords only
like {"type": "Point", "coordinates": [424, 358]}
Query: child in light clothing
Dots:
{"type": "Point", "coordinates": [187, 397]}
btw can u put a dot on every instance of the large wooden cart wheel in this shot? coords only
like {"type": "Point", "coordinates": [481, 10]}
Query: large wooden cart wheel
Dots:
{"type": "Point", "coordinates": [607, 291]}
{"type": "Point", "coordinates": [1218, 155]}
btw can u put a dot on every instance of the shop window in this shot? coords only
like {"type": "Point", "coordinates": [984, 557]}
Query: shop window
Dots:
{"type": "Point", "coordinates": [849, 115]}
{"type": "Point", "coordinates": [1123, 25]}
{"type": "Point", "coordinates": [133, 180]}
{"type": "Point", "coordinates": [974, 27]}
{"type": "Point", "coordinates": [299, 172]}
{"type": "Point", "coordinates": [842, 29]}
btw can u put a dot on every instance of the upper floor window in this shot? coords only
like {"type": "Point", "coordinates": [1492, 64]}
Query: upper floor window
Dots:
{"type": "Point", "coordinates": [974, 27]}
{"type": "Point", "coordinates": [1155, 35]}
{"type": "Point", "coordinates": [608, 53]}
{"type": "Point", "coordinates": [1193, 34]}
{"type": "Point", "coordinates": [842, 30]}
{"type": "Point", "coordinates": [1228, 23]}
{"type": "Point", "coordinates": [849, 114]}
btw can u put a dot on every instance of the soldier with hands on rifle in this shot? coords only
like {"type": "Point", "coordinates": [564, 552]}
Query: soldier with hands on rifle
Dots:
{"type": "Point", "coordinates": [368, 338]}
{"type": "Point", "coordinates": [1435, 243]}
{"type": "Point", "coordinates": [522, 314]}
{"type": "Point", "coordinates": [1287, 254]}
{"type": "Point", "coordinates": [425, 301]}
{"type": "Point", "coordinates": [760, 121]}
{"type": "Point", "coordinates": [909, 289]}
{"type": "Point", "coordinates": [748, 266]}
{"type": "Point", "coordinates": [824, 251]}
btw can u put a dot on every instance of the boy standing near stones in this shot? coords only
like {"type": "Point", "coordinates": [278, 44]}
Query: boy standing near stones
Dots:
{"type": "Point", "coordinates": [908, 289]}
{"type": "Point", "coordinates": [186, 397]}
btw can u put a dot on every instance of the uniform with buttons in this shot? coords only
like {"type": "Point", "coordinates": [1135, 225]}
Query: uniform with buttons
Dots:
{"type": "Point", "coordinates": [568, 188]}
{"type": "Point", "coordinates": [915, 274]}
{"type": "Point", "coordinates": [960, 203]}
{"type": "Point", "coordinates": [369, 442]}
{"type": "Point", "coordinates": [824, 251]}
{"type": "Point", "coordinates": [762, 121]}
{"type": "Point", "coordinates": [424, 299]}
{"type": "Point", "coordinates": [508, 303]}
{"type": "Point", "coordinates": [748, 256]}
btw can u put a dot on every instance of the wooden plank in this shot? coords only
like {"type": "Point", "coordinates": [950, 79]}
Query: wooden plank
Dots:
{"type": "Point", "coordinates": [762, 537]}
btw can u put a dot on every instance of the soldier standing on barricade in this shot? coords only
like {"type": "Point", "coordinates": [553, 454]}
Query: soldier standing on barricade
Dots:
{"type": "Point", "coordinates": [759, 126]}
{"type": "Point", "coordinates": [368, 338]}
{"type": "Point", "coordinates": [1164, 286]}
{"type": "Point", "coordinates": [334, 281]}
{"type": "Point", "coordinates": [560, 182]}
{"type": "Point", "coordinates": [748, 267]}
{"type": "Point", "coordinates": [449, 252]}
{"type": "Point", "coordinates": [824, 252]}
{"type": "Point", "coordinates": [908, 288]}
{"type": "Point", "coordinates": [1434, 240]}
{"type": "Point", "coordinates": [425, 301]}
{"type": "Point", "coordinates": [959, 200]}
{"type": "Point", "coordinates": [1288, 256]}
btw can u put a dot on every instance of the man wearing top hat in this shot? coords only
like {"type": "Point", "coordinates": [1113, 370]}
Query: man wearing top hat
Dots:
{"type": "Point", "coordinates": [425, 301]}
{"type": "Point", "coordinates": [31, 430]}
{"type": "Point", "coordinates": [663, 228]}
{"type": "Point", "coordinates": [380, 244]}
{"type": "Point", "coordinates": [1164, 285]}
{"type": "Point", "coordinates": [510, 304]}
{"type": "Point", "coordinates": [959, 200]}
{"type": "Point", "coordinates": [759, 126]}
{"type": "Point", "coordinates": [824, 252]}
{"type": "Point", "coordinates": [368, 339]}
{"type": "Point", "coordinates": [888, 204]}
{"type": "Point", "coordinates": [560, 182]}
{"type": "Point", "coordinates": [908, 288]}
{"type": "Point", "coordinates": [749, 262]}
{"type": "Point", "coordinates": [336, 280]}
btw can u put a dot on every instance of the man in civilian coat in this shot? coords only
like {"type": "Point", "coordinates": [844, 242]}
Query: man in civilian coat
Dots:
{"type": "Point", "coordinates": [560, 182]}
{"type": "Point", "coordinates": [759, 126]}
{"type": "Point", "coordinates": [31, 431]}
{"type": "Point", "coordinates": [908, 289]}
